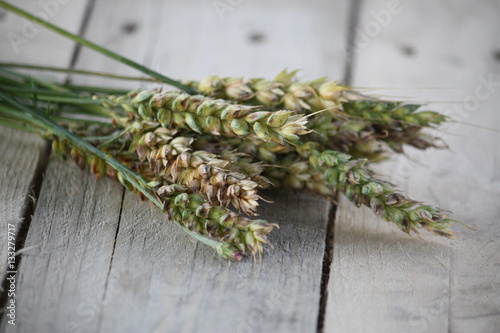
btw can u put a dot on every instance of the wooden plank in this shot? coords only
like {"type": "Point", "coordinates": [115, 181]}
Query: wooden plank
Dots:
{"type": "Point", "coordinates": [164, 282]}
{"type": "Point", "coordinates": [160, 280]}
{"type": "Point", "coordinates": [247, 38]}
{"type": "Point", "coordinates": [26, 42]}
{"type": "Point", "coordinates": [192, 41]}
{"type": "Point", "coordinates": [383, 280]}
{"type": "Point", "coordinates": [68, 252]}
{"type": "Point", "coordinates": [20, 152]}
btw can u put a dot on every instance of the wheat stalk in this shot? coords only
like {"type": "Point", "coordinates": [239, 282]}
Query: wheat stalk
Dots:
{"type": "Point", "coordinates": [205, 115]}
{"type": "Point", "coordinates": [391, 122]}
{"type": "Point", "coordinates": [193, 155]}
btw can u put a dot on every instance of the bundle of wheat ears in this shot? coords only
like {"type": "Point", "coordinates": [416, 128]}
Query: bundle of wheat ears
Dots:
{"type": "Point", "coordinates": [202, 152]}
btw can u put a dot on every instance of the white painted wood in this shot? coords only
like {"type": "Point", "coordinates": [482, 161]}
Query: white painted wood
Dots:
{"type": "Point", "coordinates": [160, 280]}
{"type": "Point", "coordinates": [382, 280]}
{"type": "Point", "coordinates": [19, 152]}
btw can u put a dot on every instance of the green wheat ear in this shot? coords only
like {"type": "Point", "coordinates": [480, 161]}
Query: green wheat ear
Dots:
{"type": "Point", "coordinates": [192, 212]}
{"type": "Point", "coordinates": [353, 123]}
{"type": "Point", "coordinates": [204, 115]}
{"type": "Point", "coordinates": [193, 155]}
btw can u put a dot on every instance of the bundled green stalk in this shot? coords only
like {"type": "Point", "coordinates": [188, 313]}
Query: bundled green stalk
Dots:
{"type": "Point", "coordinates": [325, 168]}
{"type": "Point", "coordinates": [183, 147]}
{"type": "Point", "coordinates": [201, 154]}
{"type": "Point", "coordinates": [230, 234]}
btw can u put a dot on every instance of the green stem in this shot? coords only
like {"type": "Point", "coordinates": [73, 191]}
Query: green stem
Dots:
{"type": "Point", "coordinates": [60, 131]}
{"type": "Point", "coordinates": [222, 248]}
{"type": "Point", "coordinates": [31, 79]}
{"type": "Point", "coordinates": [19, 116]}
{"type": "Point", "coordinates": [63, 88]}
{"type": "Point", "coordinates": [105, 138]}
{"type": "Point", "coordinates": [62, 118]}
{"type": "Point", "coordinates": [94, 89]}
{"type": "Point", "coordinates": [75, 71]}
{"type": "Point", "coordinates": [37, 91]}
{"type": "Point", "coordinates": [56, 99]}
{"type": "Point", "coordinates": [11, 82]}
{"type": "Point", "coordinates": [18, 125]}
{"type": "Point", "coordinates": [111, 139]}
{"type": "Point", "coordinates": [86, 103]}
{"type": "Point", "coordinates": [85, 106]}
{"type": "Point", "coordinates": [88, 109]}
{"type": "Point", "coordinates": [97, 48]}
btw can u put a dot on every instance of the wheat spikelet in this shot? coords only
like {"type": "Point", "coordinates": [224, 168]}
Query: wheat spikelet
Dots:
{"type": "Point", "coordinates": [392, 122]}
{"type": "Point", "coordinates": [205, 115]}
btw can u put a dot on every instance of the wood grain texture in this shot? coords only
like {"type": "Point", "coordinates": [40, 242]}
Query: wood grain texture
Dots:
{"type": "Point", "coordinates": [164, 282]}
{"type": "Point", "coordinates": [159, 279]}
{"type": "Point", "coordinates": [65, 265]}
{"type": "Point", "coordinates": [191, 40]}
{"type": "Point", "coordinates": [19, 152]}
{"type": "Point", "coordinates": [26, 42]}
{"type": "Point", "coordinates": [383, 280]}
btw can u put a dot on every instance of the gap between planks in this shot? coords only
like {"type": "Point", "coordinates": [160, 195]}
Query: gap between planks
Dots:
{"type": "Point", "coordinates": [30, 202]}
{"type": "Point", "coordinates": [327, 263]}
{"type": "Point", "coordinates": [100, 318]}
{"type": "Point", "coordinates": [352, 23]}
{"type": "Point", "coordinates": [89, 8]}
{"type": "Point", "coordinates": [328, 234]}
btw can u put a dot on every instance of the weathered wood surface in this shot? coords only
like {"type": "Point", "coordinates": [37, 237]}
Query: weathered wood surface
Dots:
{"type": "Point", "coordinates": [193, 40]}
{"type": "Point", "coordinates": [153, 278]}
{"type": "Point", "coordinates": [188, 288]}
{"type": "Point", "coordinates": [19, 155]}
{"type": "Point", "coordinates": [19, 152]}
{"type": "Point", "coordinates": [385, 281]}
{"type": "Point", "coordinates": [101, 261]}
{"type": "Point", "coordinates": [65, 270]}
{"type": "Point", "coordinates": [164, 282]}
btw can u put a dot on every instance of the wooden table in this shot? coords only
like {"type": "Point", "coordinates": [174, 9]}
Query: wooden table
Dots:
{"type": "Point", "coordinates": [97, 259]}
